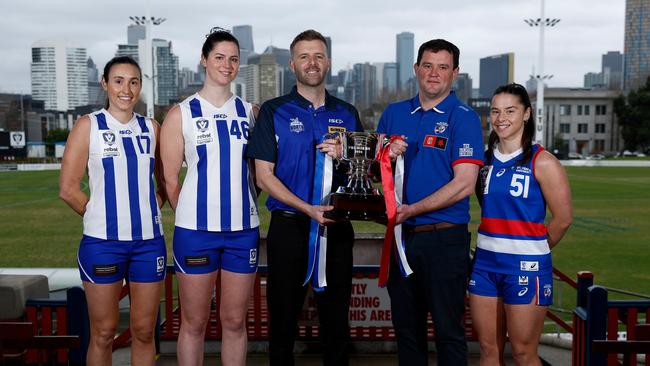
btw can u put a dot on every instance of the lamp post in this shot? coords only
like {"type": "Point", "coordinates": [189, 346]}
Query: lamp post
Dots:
{"type": "Point", "coordinates": [148, 59]}
{"type": "Point", "coordinates": [542, 23]}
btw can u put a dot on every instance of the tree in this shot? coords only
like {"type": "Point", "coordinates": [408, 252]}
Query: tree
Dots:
{"type": "Point", "coordinates": [633, 112]}
{"type": "Point", "coordinates": [57, 135]}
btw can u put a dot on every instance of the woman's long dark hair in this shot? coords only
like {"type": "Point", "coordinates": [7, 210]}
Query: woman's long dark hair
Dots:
{"type": "Point", "coordinates": [529, 124]}
{"type": "Point", "coordinates": [118, 61]}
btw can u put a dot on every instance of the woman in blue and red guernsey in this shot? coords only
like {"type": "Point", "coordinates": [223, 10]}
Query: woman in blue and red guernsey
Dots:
{"type": "Point", "coordinates": [512, 284]}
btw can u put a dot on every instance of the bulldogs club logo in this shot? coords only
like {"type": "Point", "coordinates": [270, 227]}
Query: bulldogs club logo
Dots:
{"type": "Point", "coordinates": [202, 124]}
{"type": "Point", "coordinates": [440, 127]}
{"type": "Point", "coordinates": [109, 138]}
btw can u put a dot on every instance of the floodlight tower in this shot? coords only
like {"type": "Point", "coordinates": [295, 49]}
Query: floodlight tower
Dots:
{"type": "Point", "coordinates": [149, 79]}
{"type": "Point", "coordinates": [542, 23]}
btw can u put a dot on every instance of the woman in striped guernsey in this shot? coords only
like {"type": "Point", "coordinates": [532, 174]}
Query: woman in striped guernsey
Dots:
{"type": "Point", "coordinates": [216, 208]}
{"type": "Point", "coordinates": [123, 236]}
{"type": "Point", "coordinates": [511, 284]}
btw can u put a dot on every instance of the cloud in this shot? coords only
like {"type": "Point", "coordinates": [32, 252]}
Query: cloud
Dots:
{"type": "Point", "coordinates": [361, 30]}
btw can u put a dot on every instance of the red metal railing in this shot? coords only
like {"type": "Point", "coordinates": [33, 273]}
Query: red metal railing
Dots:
{"type": "Point", "coordinates": [48, 317]}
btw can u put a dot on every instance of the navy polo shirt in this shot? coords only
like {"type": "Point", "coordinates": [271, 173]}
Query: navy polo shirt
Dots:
{"type": "Point", "coordinates": [286, 133]}
{"type": "Point", "coordinates": [438, 139]}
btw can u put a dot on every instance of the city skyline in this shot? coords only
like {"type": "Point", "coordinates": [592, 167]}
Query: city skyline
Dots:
{"type": "Point", "coordinates": [368, 34]}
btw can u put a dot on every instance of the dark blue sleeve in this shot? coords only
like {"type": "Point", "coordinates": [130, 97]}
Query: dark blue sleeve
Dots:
{"type": "Point", "coordinates": [262, 145]}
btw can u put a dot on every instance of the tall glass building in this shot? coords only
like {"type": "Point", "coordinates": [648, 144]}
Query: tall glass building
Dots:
{"type": "Point", "coordinates": [404, 56]}
{"type": "Point", "coordinates": [59, 75]}
{"type": "Point", "coordinates": [637, 44]}
{"type": "Point", "coordinates": [244, 35]}
{"type": "Point", "coordinates": [495, 71]}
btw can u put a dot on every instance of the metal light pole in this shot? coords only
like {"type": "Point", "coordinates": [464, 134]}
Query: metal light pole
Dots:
{"type": "Point", "coordinates": [542, 23]}
{"type": "Point", "coordinates": [147, 63]}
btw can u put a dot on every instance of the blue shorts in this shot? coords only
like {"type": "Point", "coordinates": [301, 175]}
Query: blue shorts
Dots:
{"type": "Point", "coordinates": [199, 252]}
{"type": "Point", "coordinates": [108, 261]}
{"type": "Point", "coordinates": [514, 289]}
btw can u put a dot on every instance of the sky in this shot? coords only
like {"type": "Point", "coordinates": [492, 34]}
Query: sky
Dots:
{"type": "Point", "coordinates": [361, 30]}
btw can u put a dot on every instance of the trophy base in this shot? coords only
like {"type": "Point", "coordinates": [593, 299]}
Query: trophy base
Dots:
{"type": "Point", "coordinates": [348, 206]}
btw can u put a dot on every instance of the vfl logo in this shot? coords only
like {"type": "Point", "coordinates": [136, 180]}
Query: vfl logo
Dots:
{"type": "Point", "coordinates": [295, 125]}
{"type": "Point", "coordinates": [202, 124]}
{"type": "Point", "coordinates": [440, 127]}
{"type": "Point", "coordinates": [252, 259]}
{"type": "Point", "coordinates": [500, 172]}
{"type": "Point", "coordinates": [17, 137]}
{"type": "Point", "coordinates": [160, 264]}
{"type": "Point", "coordinates": [109, 138]}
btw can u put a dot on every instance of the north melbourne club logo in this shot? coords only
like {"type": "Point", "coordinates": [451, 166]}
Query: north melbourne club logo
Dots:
{"type": "Point", "coordinates": [202, 124]}
{"type": "Point", "coordinates": [109, 138]}
{"type": "Point", "coordinates": [295, 125]}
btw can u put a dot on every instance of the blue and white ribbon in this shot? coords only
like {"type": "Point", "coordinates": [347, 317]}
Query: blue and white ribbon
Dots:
{"type": "Point", "coordinates": [316, 265]}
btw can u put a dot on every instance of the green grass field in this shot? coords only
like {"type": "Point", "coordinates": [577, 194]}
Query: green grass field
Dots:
{"type": "Point", "coordinates": [610, 235]}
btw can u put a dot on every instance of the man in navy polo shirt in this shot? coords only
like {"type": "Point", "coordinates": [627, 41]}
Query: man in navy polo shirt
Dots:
{"type": "Point", "coordinates": [283, 144]}
{"type": "Point", "coordinates": [441, 164]}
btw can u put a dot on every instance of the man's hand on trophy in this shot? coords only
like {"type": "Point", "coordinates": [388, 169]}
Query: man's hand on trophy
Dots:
{"type": "Point", "coordinates": [331, 147]}
{"type": "Point", "coordinates": [397, 148]}
{"type": "Point", "coordinates": [316, 212]}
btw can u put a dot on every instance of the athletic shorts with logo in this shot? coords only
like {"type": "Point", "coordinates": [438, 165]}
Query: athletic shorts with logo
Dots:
{"type": "Point", "coordinates": [514, 289]}
{"type": "Point", "coordinates": [199, 252]}
{"type": "Point", "coordinates": [108, 261]}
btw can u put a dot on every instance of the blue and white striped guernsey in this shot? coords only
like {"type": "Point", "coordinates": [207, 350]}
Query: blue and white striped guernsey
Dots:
{"type": "Point", "coordinates": [122, 202]}
{"type": "Point", "coordinates": [218, 193]}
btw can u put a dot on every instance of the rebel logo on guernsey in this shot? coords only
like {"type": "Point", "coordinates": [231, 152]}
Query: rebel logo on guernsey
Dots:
{"type": "Point", "coordinates": [203, 136]}
{"type": "Point", "coordinates": [295, 125]}
{"type": "Point", "coordinates": [110, 148]}
{"type": "Point", "coordinates": [436, 142]}
{"type": "Point", "coordinates": [441, 127]}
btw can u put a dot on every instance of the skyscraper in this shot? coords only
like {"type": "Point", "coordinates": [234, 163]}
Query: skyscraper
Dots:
{"type": "Point", "coordinates": [165, 72]}
{"type": "Point", "coordinates": [612, 70]}
{"type": "Point", "coordinates": [495, 71]}
{"type": "Point", "coordinates": [244, 34]}
{"type": "Point", "coordinates": [59, 73]}
{"type": "Point", "coordinates": [135, 32]}
{"type": "Point", "coordinates": [637, 43]}
{"type": "Point", "coordinates": [404, 56]}
{"type": "Point", "coordinates": [263, 77]}
{"type": "Point", "coordinates": [96, 94]}
{"type": "Point", "coordinates": [390, 77]}
{"type": "Point", "coordinates": [463, 87]}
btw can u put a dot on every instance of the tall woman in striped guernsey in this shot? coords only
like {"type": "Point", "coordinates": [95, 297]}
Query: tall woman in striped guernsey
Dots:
{"type": "Point", "coordinates": [122, 232]}
{"type": "Point", "coordinates": [216, 208]}
{"type": "Point", "coordinates": [512, 284]}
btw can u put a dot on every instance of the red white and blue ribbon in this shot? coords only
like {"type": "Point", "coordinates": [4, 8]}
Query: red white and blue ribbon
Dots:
{"type": "Point", "coordinates": [393, 194]}
{"type": "Point", "coordinates": [318, 233]}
